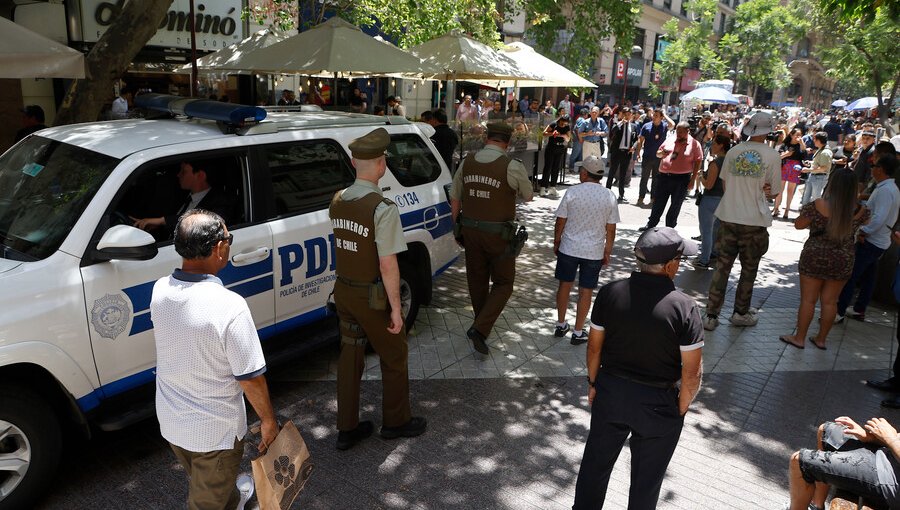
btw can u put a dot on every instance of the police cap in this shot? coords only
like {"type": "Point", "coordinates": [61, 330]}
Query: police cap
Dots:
{"type": "Point", "coordinates": [500, 129]}
{"type": "Point", "coordinates": [370, 146]}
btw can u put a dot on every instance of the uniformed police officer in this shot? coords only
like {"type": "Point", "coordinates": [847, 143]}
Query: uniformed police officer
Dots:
{"type": "Point", "coordinates": [484, 192]}
{"type": "Point", "coordinates": [368, 235]}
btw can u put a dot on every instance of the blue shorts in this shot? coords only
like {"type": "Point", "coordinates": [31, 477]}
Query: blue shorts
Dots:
{"type": "Point", "coordinates": [588, 274]}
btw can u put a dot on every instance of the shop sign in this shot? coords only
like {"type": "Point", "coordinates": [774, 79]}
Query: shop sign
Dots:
{"type": "Point", "coordinates": [689, 79]}
{"type": "Point", "coordinates": [620, 69]}
{"type": "Point", "coordinates": [218, 23]}
{"type": "Point", "coordinates": [661, 46]}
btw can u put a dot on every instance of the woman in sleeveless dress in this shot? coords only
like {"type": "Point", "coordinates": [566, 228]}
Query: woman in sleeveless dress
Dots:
{"type": "Point", "coordinates": [828, 254]}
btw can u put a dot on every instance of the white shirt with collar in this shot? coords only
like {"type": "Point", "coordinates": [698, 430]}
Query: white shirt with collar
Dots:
{"type": "Point", "coordinates": [206, 342]}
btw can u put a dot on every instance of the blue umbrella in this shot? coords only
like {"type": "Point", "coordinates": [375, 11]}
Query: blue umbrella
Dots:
{"type": "Point", "coordinates": [839, 103]}
{"type": "Point", "coordinates": [863, 103]}
{"type": "Point", "coordinates": [711, 95]}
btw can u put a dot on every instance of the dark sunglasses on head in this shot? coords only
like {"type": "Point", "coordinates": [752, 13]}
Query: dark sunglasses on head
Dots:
{"type": "Point", "coordinates": [228, 239]}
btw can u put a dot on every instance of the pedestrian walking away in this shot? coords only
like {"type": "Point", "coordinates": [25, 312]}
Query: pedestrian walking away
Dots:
{"type": "Point", "coordinates": [483, 205]}
{"type": "Point", "coordinates": [652, 136]}
{"type": "Point", "coordinates": [208, 357]}
{"type": "Point", "coordinates": [645, 336]}
{"type": "Point", "coordinates": [583, 239]}
{"type": "Point", "coordinates": [621, 147]}
{"type": "Point", "coordinates": [751, 172]}
{"type": "Point", "coordinates": [368, 236]}
{"type": "Point", "coordinates": [681, 158]}
{"type": "Point", "coordinates": [873, 239]}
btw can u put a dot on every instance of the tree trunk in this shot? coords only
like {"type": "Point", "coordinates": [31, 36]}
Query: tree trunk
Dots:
{"type": "Point", "coordinates": [884, 109]}
{"type": "Point", "coordinates": [135, 24]}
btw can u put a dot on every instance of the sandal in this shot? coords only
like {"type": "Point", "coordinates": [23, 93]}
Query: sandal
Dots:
{"type": "Point", "coordinates": [785, 340]}
{"type": "Point", "coordinates": [812, 340]}
{"type": "Point", "coordinates": [775, 213]}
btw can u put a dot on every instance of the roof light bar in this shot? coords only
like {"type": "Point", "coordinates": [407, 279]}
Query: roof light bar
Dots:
{"type": "Point", "coordinates": [237, 115]}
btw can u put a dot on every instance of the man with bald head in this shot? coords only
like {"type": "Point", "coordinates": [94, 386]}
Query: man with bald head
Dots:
{"type": "Point", "coordinates": [368, 236]}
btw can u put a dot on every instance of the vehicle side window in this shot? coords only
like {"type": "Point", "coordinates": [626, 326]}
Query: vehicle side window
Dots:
{"type": "Point", "coordinates": [159, 190]}
{"type": "Point", "coordinates": [411, 161]}
{"type": "Point", "coordinates": [306, 175]}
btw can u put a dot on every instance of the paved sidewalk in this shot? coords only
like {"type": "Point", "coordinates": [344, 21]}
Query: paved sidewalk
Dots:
{"type": "Point", "coordinates": [508, 430]}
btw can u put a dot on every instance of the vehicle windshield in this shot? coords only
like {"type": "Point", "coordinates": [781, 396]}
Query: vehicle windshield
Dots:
{"type": "Point", "coordinates": [44, 187]}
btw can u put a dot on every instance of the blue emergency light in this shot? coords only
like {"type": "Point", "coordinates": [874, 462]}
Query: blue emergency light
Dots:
{"type": "Point", "coordinates": [229, 113]}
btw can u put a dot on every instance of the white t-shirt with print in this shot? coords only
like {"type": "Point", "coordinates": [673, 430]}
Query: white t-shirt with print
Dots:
{"type": "Point", "coordinates": [588, 207]}
{"type": "Point", "coordinates": [746, 169]}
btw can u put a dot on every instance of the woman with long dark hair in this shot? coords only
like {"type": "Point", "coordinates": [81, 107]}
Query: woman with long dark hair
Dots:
{"type": "Point", "coordinates": [792, 152]}
{"type": "Point", "coordinates": [713, 189]}
{"type": "Point", "coordinates": [828, 254]}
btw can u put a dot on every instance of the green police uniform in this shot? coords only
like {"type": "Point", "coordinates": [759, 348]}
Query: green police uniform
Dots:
{"type": "Point", "coordinates": [486, 185]}
{"type": "Point", "coordinates": [367, 226]}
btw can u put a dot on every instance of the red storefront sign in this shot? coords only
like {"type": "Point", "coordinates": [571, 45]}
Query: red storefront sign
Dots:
{"type": "Point", "coordinates": [689, 79]}
{"type": "Point", "coordinates": [620, 69]}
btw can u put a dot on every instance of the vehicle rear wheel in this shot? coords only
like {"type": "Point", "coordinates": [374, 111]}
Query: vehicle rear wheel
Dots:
{"type": "Point", "coordinates": [30, 446]}
{"type": "Point", "coordinates": [410, 293]}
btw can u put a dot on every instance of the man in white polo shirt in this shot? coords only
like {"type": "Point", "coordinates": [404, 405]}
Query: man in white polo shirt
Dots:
{"type": "Point", "coordinates": [208, 357]}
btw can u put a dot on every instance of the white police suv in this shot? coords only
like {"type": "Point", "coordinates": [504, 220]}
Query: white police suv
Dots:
{"type": "Point", "coordinates": [76, 336]}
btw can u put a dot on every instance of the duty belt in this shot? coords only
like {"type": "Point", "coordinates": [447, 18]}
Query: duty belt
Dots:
{"type": "Point", "coordinates": [628, 377]}
{"type": "Point", "coordinates": [353, 283]}
{"type": "Point", "coordinates": [491, 227]}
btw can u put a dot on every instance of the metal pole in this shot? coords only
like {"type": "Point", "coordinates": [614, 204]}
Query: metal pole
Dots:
{"type": "Point", "coordinates": [193, 51]}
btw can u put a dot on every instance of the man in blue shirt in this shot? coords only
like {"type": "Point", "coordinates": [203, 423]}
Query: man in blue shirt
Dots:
{"type": "Point", "coordinates": [873, 239]}
{"type": "Point", "coordinates": [651, 138]}
{"type": "Point", "coordinates": [591, 134]}
{"type": "Point", "coordinates": [575, 157]}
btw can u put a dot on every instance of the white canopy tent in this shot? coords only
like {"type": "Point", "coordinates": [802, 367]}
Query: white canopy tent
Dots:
{"type": "Point", "coordinates": [529, 60]}
{"type": "Point", "coordinates": [26, 54]}
{"type": "Point", "coordinates": [229, 59]}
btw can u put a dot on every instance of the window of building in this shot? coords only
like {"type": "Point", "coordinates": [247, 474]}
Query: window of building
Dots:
{"type": "Point", "coordinates": [667, 4]}
{"type": "Point", "coordinates": [640, 36]}
{"type": "Point", "coordinates": [305, 176]}
{"type": "Point", "coordinates": [683, 8]}
{"type": "Point", "coordinates": [411, 161]}
{"type": "Point", "coordinates": [722, 21]}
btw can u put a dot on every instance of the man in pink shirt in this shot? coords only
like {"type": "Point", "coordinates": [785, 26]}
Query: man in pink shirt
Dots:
{"type": "Point", "coordinates": [680, 160]}
{"type": "Point", "coordinates": [467, 111]}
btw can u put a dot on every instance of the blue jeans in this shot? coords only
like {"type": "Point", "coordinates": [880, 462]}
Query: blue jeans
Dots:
{"type": "Point", "coordinates": [709, 225]}
{"type": "Point", "coordinates": [575, 157]}
{"type": "Point", "coordinates": [815, 184]}
{"type": "Point", "coordinates": [864, 268]}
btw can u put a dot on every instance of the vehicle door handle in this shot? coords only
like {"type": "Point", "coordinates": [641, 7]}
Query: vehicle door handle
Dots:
{"type": "Point", "coordinates": [253, 256]}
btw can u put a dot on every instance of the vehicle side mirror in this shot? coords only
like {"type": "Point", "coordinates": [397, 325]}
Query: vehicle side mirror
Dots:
{"type": "Point", "coordinates": [124, 242]}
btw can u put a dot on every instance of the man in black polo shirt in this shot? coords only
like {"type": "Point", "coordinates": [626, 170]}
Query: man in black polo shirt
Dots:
{"type": "Point", "coordinates": [645, 337]}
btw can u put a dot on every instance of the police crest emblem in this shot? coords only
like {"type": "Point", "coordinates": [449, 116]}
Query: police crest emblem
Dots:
{"type": "Point", "coordinates": [110, 316]}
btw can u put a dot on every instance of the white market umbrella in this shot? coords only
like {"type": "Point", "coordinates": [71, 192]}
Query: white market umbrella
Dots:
{"type": "Point", "coordinates": [26, 54]}
{"type": "Point", "coordinates": [711, 95]}
{"type": "Point", "coordinates": [332, 47]}
{"type": "Point", "coordinates": [863, 103]}
{"type": "Point", "coordinates": [839, 103]}
{"type": "Point", "coordinates": [231, 57]}
{"type": "Point", "coordinates": [554, 75]}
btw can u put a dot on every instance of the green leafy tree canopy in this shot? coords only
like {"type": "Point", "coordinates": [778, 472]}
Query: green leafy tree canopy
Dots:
{"type": "Point", "coordinates": [691, 43]}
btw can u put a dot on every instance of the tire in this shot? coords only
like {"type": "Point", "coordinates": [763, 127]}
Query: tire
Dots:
{"type": "Point", "coordinates": [29, 430]}
{"type": "Point", "coordinates": [410, 293]}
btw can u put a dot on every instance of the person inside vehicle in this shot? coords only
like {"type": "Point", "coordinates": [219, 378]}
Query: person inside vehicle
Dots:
{"type": "Point", "coordinates": [193, 178]}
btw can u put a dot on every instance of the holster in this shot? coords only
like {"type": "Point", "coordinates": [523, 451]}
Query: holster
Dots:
{"type": "Point", "coordinates": [352, 333]}
{"type": "Point", "coordinates": [517, 242]}
{"type": "Point", "coordinates": [457, 229]}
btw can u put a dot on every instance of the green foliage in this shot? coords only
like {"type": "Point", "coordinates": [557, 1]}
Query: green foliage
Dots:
{"type": "Point", "coordinates": [409, 23]}
{"type": "Point", "coordinates": [692, 43]}
{"type": "Point", "coordinates": [760, 41]}
{"type": "Point", "coordinates": [589, 22]}
{"type": "Point", "coordinates": [862, 50]}
{"type": "Point", "coordinates": [855, 10]}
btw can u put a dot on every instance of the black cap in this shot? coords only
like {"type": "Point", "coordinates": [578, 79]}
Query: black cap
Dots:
{"type": "Point", "coordinates": [34, 111]}
{"type": "Point", "coordinates": [659, 245]}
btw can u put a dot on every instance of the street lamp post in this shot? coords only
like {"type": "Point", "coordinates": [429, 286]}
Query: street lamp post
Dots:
{"type": "Point", "coordinates": [634, 51]}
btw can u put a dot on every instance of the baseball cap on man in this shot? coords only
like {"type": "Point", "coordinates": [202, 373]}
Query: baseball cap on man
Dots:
{"type": "Point", "coordinates": [34, 111]}
{"type": "Point", "coordinates": [659, 245]}
{"type": "Point", "coordinates": [759, 123]}
{"type": "Point", "coordinates": [593, 165]}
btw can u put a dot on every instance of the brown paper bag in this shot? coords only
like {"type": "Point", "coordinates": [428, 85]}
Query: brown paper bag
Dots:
{"type": "Point", "coordinates": [282, 472]}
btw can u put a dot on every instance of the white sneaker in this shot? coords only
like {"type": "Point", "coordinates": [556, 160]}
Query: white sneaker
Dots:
{"type": "Point", "coordinates": [543, 192]}
{"type": "Point", "coordinates": [710, 323]}
{"type": "Point", "coordinates": [553, 193]}
{"type": "Point", "coordinates": [748, 319]}
{"type": "Point", "coordinates": [245, 486]}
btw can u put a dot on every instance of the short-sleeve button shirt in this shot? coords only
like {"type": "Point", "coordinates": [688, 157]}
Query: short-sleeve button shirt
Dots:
{"type": "Point", "coordinates": [647, 323]}
{"type": "Point", "coordinates": [588, 207]}
{"type": "Point", "coordinates": [206, 342]}
{"type": "Point", "coordinates": [684, 155]}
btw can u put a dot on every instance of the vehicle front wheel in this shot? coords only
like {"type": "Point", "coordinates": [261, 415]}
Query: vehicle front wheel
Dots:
{"type": "Point", "coordinates": [30, 446]}
{"type": "Point", "coordinates": [410, 293]}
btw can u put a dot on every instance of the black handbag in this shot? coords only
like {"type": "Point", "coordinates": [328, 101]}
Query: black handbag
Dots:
{"type": "Point", "coordinates": [699, 198]}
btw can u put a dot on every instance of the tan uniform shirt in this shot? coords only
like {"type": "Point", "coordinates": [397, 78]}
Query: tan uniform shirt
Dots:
{"type": "Point", "coordinates": [388, 229]}
{"type": "Point", "coordinates": [516, 175]}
